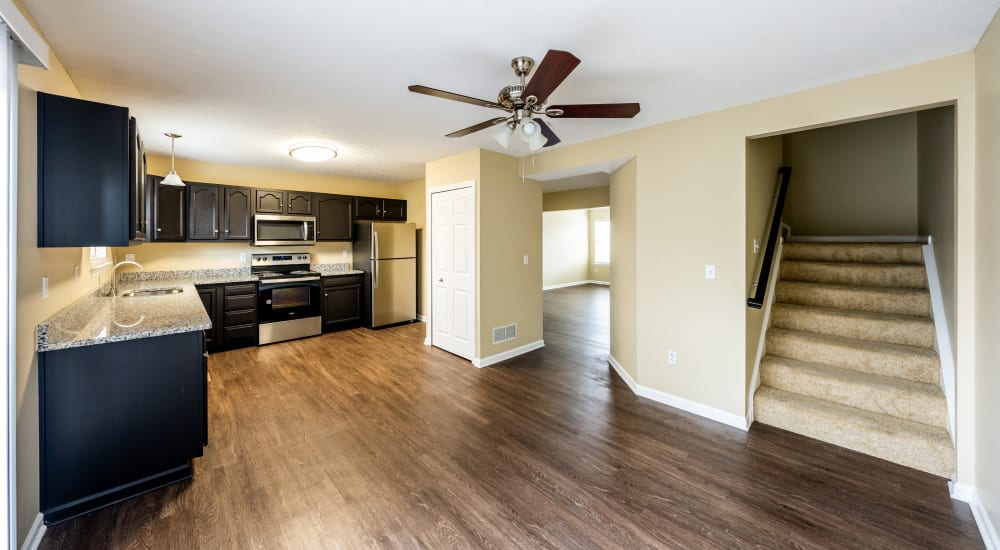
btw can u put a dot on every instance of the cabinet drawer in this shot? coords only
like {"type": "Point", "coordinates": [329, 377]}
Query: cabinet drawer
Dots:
{"type": "Point", "coordinates": [342, 280]}
{"type": "Point", "coordinates": [234, 290]}
{"type": "Point", "coordinates": [246, 301]}
{"type": "Point", "coordinates": [243, 334]}
{"type": "Point", "coordinates": [245, 317]}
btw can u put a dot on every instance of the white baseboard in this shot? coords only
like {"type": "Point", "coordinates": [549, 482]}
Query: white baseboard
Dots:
{"type": "Point", "coordinates": [576, 283]}
{"type": "Point", "coordinates": [509, 354]}
{"type": "Point", "coordinates": [422, 318]}
{"type": "Point", "coordinates": [987, 530]}
{"type": "Point", "coordinates": [700, 409]}
{"type": "Point", "coordinates": [427, 341]}
{"type": "Point", "coordinates": [860, 239]}
{"type": "Point", "coordinates": [35, 534]}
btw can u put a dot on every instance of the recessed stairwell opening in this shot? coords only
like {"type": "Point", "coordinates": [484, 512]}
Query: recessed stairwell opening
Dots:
{"type": "Point", "coordinates": [852, 345]}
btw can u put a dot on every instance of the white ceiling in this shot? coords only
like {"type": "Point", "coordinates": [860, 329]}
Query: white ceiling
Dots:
{"type": "Point", "coordinates": [243, 80]}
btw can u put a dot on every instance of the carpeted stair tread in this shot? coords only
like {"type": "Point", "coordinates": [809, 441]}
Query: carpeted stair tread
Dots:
{"type": "Point", "coordinates": [901, 301]}
{"type": "Point", "coordinates": [908, 330]}
{"type": "Point", "coordinates": [905, 442]}
{"type": "Point", "coordinates": [899, 361]}
{"type": "Point", "coordinates": [880, 275]}
{"type": "Point", "coordinates": [883, 253]}
{"type": "Point", "coordinates": [904, 399]}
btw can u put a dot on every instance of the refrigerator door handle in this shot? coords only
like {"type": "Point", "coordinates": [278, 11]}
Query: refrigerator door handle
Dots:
{"type": "Point", "coordinates": [374, 245]}
{"type": "Point", "coordinates": [375, 273]}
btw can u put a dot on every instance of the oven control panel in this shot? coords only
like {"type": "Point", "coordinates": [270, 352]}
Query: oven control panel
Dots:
{"type": "Point", "coordinates": [280, 259]}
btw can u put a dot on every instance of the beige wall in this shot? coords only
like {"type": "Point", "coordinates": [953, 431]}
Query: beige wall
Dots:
{"type": "Point", "coordinates": [597, 272]}
{"type": "Point", "coordinates": [576, 199]}
{"type": "Point", "coordinates": [510, 291]}
{"type": "Point", "coordinates": [624, 265]}
{"type": "Point", "coordinates": [987, 247]}
{"type": "Point", "coordinates": [936, 196]}
{"type": "Point", "coordinates": [764, 157]}
{"type": "Point", "coordinates": [854, 179]}
{"type": "Point", "coordinates": [58, 264]}
{"type": "Point", "coordinates": [690, 210]}
{"type": "Point", "coordinates": [565, 253]}
{"type": "Point", "coordinates": [415, 194]}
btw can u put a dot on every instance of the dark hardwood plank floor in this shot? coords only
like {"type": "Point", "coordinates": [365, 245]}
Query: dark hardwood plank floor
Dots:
{"type": "Point", "coordinates": [370, 439]}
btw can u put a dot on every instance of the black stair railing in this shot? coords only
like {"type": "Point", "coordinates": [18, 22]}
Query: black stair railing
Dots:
{"type": "Point", "coordinates": [778, 207]}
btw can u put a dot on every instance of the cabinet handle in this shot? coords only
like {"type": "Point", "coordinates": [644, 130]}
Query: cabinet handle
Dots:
{"type": "Point", "coordinates": [326, 294]}
{"type": "Point", "coordinates": [158, 229]}
{"type": "Point", "coordinates": [227, 231]}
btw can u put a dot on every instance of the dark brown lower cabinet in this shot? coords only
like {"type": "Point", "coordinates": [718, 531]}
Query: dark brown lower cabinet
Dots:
{"type": "Point", "coordinates": [341, 302]}
{"type": "Point", "coordinates": [232, 308]}
{"type": "Point", "coordinates": [118, 420]}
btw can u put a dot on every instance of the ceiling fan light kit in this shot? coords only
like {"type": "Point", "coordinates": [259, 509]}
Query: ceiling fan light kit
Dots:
{"type": "Point", "coordinates": [312, 151]}
{"type": "Point", "coordinates": [527, 100]}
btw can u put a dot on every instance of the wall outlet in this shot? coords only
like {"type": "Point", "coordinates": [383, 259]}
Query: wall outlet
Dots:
{"type": "Point", "coordinates": [45, 286]}
{"type": "Point", "coordinates": [671, 357]}
{"type": "Point", "coordinates": [526, 260]}
{"type": "Point", "coordinates": [243, 256]}
{"type": "Point", "coordinates": [709, 271]}
{"type": "Point", "coordinates": [130, 257]}
{"type": "Point", "coordinates": [756, 246]}
{"type": "Point", "coordinates": [343, 253]}
{"type": "Point", "coordinates": [76, 272]}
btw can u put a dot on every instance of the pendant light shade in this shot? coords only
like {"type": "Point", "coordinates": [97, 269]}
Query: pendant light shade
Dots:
{"type": "Point", "coordinates": [503, 135]}
{"type": "Point", "coordinates": [172, 178]}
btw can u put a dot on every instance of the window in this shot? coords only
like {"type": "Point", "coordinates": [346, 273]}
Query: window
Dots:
{"type": "Point", "coordinates": [602, 242]}
{"type": "Point", "coordinates": [99, 258]}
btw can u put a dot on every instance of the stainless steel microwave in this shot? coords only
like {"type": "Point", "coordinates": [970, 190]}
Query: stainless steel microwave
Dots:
{"type": "Point", "coordinates": [274, 230]}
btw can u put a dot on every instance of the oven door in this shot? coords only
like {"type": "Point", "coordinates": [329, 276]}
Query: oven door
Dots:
{"type": "Point", "coordinates": [273, 230]}
{"type": "Point", "coordinates": [286, 301]}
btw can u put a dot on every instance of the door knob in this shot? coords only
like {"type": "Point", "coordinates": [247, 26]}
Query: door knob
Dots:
{"type": "Point", "coordinates": [440, 280]}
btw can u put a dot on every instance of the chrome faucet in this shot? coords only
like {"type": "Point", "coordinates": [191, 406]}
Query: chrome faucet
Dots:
{"type": "Point", "coordinates": [114, 276]}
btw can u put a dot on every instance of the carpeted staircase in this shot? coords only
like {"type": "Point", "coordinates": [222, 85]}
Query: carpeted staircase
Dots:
{"type": "Point", "coordinates": [850, 355]}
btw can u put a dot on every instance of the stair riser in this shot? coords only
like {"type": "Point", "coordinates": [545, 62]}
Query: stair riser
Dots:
{"type": "Point", "coordinates": [872, 253]}
{"type": "Point", "coordinates": [928, 408]}
{"type": "Point", "coordinates": [894, 276]}
{"type": "Point", "coordinates": [860, 299]}
{"type": "Point", "coordinates": [883, 362]}
{"type": "Point", "coordinates": [902, 448]}
{"type": "Point", "coordinates": [906, 332]}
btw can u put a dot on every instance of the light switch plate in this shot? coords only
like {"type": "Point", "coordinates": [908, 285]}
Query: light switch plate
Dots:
{"type": "Point", "coordinates": [709, 271]}
{"type": "Point", "coordinates": [45, 286]}
{"type": "Point", "coordinates": [525, 260]}
{"type": "Point", "coordinates": [671, 357]}
{"type": "Point", "coordinates": [130, 257]}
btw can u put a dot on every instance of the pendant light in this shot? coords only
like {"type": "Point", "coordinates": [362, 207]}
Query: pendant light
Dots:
{"type": "Point", "coordinates": [172, 177]}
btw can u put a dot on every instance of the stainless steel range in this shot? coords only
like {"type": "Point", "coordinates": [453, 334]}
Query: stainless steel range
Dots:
{"type": "Point", "coordinates": [289, 301]}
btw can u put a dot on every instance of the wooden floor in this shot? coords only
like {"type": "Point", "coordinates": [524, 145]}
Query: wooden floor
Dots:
{"type": "Point", "coordinates": [370, 439]}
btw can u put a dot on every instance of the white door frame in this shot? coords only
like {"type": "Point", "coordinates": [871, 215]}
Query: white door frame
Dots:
{"type": "Point", "coordinates": [429, 257]}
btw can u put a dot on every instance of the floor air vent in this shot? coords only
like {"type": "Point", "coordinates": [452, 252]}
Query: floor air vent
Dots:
{"type": "Point", "coordinates": [504, 334]}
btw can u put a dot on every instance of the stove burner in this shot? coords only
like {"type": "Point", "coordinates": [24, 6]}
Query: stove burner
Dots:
{"type": "Point", "coordinates": [304, 272]}
{"type": "Point", "coordinates": [268, 274]}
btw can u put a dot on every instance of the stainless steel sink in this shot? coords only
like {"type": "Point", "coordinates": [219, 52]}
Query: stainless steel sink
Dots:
{"type": "Point", "coordinates": [152, 292]}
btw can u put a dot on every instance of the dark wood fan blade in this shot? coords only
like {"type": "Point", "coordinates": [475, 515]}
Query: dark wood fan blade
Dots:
{"type": "Point", "coordinates": [454, 97]}
{"type": "Point", "coordinates": [548, 133]}
{"type": "Point", "coordinates": [477, 127]}
{"type": "Point", "coordinates": [554, 68]}
{"type": "Point", "coordinates": [597, 110]}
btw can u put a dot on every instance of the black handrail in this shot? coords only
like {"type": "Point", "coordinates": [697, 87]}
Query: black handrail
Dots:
{"type": "Point", "coordinates": [757, 300]}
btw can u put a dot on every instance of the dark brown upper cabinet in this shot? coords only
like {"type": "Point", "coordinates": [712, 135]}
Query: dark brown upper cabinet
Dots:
{"type": "Point", "coordinates": [334, 217]}
{"type": "Point", "coordinates": [217, 213]}
{"type": "Point", "coordinates": [204, 211]}
{"type": "Point", "coordinates": [168, 206]}
{"type": "Point", "coordinates": [269, 201]}
{"type": "Point", "coordinates": [238, 215]}
{"type": "Point", "coordinates": [90, 174]}
{"type": "Point", "coordinates": [370, 208]}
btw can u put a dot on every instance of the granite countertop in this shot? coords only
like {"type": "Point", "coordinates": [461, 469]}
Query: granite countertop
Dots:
{"type": "Point", "coordinates": [97, 319]}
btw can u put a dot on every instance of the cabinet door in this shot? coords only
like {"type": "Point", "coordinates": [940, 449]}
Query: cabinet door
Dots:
{"type": "Point", "coordinates": [238, 214]}
{"type": "Point", "coordinates": [167, 210]}
{"type": "Point", "coordinates": [267, 201]}
{"type": "Point", "coordinates": [138, 220]}
{"type": "Point", "coordinates": [334, 218]}
{"type": "Point", "coordinates": [209, 295]}
{"type": "Point", "coordinates": [341, 306]}
{"type": "Point", "coordinates": [394, 210]}
{"type": "Point", "coordinates": [204, 211]}
{"type": "Point", "coordinates": [367, 208]}
{"type": "Point", "coordinates": [298, 204]}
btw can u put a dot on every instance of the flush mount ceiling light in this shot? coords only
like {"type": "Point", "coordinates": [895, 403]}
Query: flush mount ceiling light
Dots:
{"type": "Point", "coordinates": [172, 177]}
{"type": "Point", "coordinates": [312, 151]}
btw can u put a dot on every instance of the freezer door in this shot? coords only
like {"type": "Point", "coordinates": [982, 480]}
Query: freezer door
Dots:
{"type": "Point", "coordinates": [394, 240]}
{"type": "Point", "coordinates": [394, 291]}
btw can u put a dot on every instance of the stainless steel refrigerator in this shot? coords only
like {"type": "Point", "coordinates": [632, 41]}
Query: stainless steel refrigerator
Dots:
{"type": "Point", "coordinates": [387, 253]}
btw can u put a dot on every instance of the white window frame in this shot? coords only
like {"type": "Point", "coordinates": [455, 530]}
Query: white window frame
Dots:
{"type": "Point", "coordinates": [100, 258]}
{"type": "Point", "coordinates": [596, 261]}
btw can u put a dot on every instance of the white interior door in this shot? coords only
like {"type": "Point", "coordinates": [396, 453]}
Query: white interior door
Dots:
{"type": "Point", "coordinates": [453, 271]}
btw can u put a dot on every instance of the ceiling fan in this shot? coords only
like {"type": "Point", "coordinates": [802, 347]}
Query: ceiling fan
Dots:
{"type": "Point", "coordinates": [526, 102]}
